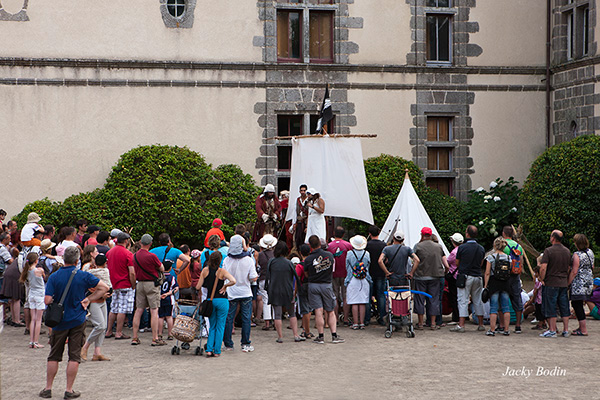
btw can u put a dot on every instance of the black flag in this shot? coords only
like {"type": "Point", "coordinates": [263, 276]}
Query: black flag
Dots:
{"type": "Point", "coordinates": [326, 114]}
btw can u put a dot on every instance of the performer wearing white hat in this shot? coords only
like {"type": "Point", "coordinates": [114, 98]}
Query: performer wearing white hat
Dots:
{"type": "Point", "coordinates": [316, 220]}
{"type": "Point", "coordinates": [268, 212]}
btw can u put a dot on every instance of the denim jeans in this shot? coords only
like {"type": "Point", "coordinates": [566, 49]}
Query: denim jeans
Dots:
{"type": "Point", "coordinates": [501, 299]}
{"type": "Point", "coordinates": [438, 318]}
{"type": "Point", "coordinates": [377, 290]}
{"type": "Point", "coordinates": [246, 311]}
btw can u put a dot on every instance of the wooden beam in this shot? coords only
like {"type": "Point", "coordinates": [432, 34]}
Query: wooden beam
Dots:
{"type": "Point", "coordinates": [364, 136]}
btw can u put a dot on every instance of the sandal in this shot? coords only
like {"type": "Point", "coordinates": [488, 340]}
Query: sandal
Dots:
{"type": "Point", "coordinates": [355, 327]}
{"type": "Point", "coordinates": [419, 327]}
{"type": "Point", "coordinates": [122, 337]}
{"type": "Point", "coordinates": [170, 337]}
{"type": "Point", "coordinates": [434, 327]}
{"type": "Point", "coordinates": [577, 332]}
{"type": "Point", "coordinates": [361, 326]}
{"type": "Point", "coordinates": [109, 336]}
{"type": "Point", "coordinates": [158, 342]}
{"type": "Point", "coordinates": [135, 341]}
{"type": "Point", "coordinates": [539, 328]}
{"type": "Point", "coordinates": [266, 328]}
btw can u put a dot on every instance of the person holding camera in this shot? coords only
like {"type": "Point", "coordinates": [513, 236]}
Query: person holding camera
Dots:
{"type": "Point", "coordinates": [147, 267]}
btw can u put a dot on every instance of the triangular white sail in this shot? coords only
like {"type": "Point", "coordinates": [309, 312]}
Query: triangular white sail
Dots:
{"type": "Point", "coordinates": [409, 216]}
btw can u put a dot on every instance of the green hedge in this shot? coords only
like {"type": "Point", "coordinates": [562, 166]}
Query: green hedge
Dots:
{"type": "Point", "coordinates": [562, 192]}
{"type": "Point", "coordinates": [154, 189]}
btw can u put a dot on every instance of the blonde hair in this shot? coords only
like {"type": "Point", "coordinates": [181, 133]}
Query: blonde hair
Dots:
{"type": "Point", "coordinates": [499, 244]}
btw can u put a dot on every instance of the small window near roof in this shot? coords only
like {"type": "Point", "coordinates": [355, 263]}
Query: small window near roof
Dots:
{"type": "Point", "coordinates": [176, 7]}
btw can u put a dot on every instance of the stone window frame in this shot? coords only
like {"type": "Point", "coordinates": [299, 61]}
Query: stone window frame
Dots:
{"type": "Point", "coordinates": [573, 14]}
{"type": "Point", "coordinates": [186, 20]}
{"type": "Point", "coordinates": [305, 7]}
{"type": "Point", "coordinates": [449, 12]}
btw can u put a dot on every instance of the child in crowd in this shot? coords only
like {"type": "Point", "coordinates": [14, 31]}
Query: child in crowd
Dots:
{"type": "Point", "coordinates": [37, 291]}
{"type": "Point", "coordinates": [536, 299]}
{"type": "Point", "coordinates": [167, 300]}
{"type": "Point", "coordinates": [31, 227]}
{"type": "Point", "coordinates": [593, 302]}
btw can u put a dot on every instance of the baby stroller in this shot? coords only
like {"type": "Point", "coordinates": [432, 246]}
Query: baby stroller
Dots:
{"type": "Point", "coordinates": [399, 309]}
{"type": "Point", "coordinates": [188, 327]}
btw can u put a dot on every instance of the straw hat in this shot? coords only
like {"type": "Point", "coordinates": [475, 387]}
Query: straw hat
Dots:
{"type": "Point", "coordinates": [268, 242]}
{"type": "Point", "coordinates": [33, 217]}
{"type": "Point", "coordinates": [358, 242]}
{"type": "Point", "coordinates": [47, 244]}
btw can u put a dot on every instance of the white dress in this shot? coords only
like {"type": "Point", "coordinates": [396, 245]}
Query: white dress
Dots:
{"type": "Point", "coordinates": [315, 225]}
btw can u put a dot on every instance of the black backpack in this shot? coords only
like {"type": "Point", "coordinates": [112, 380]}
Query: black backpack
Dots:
{"type": "Point", "coordinates": [502, 269]}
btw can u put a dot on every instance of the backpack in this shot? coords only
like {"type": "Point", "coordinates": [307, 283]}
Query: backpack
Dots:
{"type": "Point", "coordinates": [516, 266]}
{"type": "Point", "coordinates": [359, 270]}
{"type": "Point", "coordinates": [502, 269]}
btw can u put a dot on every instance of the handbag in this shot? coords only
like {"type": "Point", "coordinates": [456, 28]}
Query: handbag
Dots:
{"type": "Point", "coordinates": [55, 311]}
{"type": "Point", "coordinates": [185, 328]}
{"type": "Point", "coordinates": [461, 281]}
{"type": "Point", "coordinates": [206, 307]}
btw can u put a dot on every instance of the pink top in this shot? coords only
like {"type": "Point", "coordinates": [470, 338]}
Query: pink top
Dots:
{"type": "Point", "coordinates": [452, 262]}
{"type": "Point", "coordinates": [538, 286]}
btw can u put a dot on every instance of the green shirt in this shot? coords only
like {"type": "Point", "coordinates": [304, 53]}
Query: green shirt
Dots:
{"type": "Point", "coordinates": [512, 244]}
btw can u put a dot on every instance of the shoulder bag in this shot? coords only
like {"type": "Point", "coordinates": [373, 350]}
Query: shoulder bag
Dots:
{"type": "Point", "coordinates": [55, 311]}
{"type": "Point", "coordinates": [206, 308]}
{"type": "Point", "coordinates": [159, 280]}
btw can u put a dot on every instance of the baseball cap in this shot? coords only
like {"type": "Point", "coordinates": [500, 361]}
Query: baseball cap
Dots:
{"type": "Point", "coordinates": [457, 238]}
{"type": "Point", "coordinates": [122, 236]}
{"type": "Point", "coordinates": [115, 232]}
{"type": "Point", "coordinates": [217, 222]}
{"type": "Point", "coordinates": [399, 235]}
{"type": "Point", "coordinates": [146, 239]}
{"type": "Point", "coordinates": [426, 231]}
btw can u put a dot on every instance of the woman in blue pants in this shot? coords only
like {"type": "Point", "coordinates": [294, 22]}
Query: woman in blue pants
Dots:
{"type": "Point", "coordinates": [213, 279]}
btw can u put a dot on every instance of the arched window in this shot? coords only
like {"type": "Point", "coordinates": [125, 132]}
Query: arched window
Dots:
{"type": "Point", "coordinates": [176, 7]}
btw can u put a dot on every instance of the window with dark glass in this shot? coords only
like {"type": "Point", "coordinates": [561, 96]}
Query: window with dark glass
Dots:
{"type": "Point", "coordinates": [439, 153]}
{"type": "Point", "coordinates": [439, 3]}
{"type": "Point", "coordinates": [314, 119]}
{"type": "Point", "coordinates": [289, 34]}
{"type": "Point", "coordinates": [321, 36]}
{"type": "Point", "coordinates": [284, 158]}
{"type": "Point", "coordinates": [438, 37]}
{"type": "Point", "coordinates": [176, 7]}
{"type": "Point", "coordinates": [576, 17]}
{"type": "Point", "coordinates": [289, 125]}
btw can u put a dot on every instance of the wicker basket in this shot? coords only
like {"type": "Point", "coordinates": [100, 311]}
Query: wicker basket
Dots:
{"type": "Point", "coordinates": [185, 328]}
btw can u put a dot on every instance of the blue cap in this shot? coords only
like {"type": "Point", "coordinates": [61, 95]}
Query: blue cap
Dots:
{"type": "Point", "coordinates": [597, 281]}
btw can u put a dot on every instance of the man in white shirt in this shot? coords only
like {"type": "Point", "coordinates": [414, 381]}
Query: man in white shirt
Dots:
{"type": "Point", "coordinates": [242, 268]}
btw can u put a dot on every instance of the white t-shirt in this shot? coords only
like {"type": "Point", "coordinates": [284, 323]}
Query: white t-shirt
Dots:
{"type": "Point", "coordinates": [242, 270]}
{"type": "Point", "coordinates": [68, 243]}
{"type": "Point", "coordinates": [28, 231]}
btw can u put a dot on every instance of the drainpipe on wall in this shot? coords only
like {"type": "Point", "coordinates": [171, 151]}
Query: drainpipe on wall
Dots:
{"type": "Point", "coordinates": [548, 49]}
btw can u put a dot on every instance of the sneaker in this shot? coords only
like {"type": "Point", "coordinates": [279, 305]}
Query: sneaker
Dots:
{"type": "Point", "coordinates": [45, 393]}
{"type": "Point", "coordinates": [490, 333]}
{"type": "Point", "coordinates": [319, 340]}
{"type": "Point", "coordinates": [228, 348]}
{"type": "Point", "coordinates": [499, 329]}
{"type": "Point", "coordinates": [72, 395]}
{"type": "Point", "coordinates": [299, 339]}
{"type": "Point", "coordinates": [534, 321]}
{"type": "Point", "coordinates": [458, 328]}
{"type": "Point", "coordinates": [518, 329]}
{"type": "Point", "coordinates": [566, 334]}
{"type": "Point", "coordinates": [506, 333]}
{"type": "Point", "coordinates": [337, 339]}
{"type": "Point", "coordinates": [247, 348]}
{"type": "Point", "coordinates": [549, 334]}
{"type": "Point", "coordinates": [481, 328]}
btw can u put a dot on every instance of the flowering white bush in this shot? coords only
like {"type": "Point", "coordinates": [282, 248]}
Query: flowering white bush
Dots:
{"type": "Point", "coordinates": [496, 198]}
{"type": "Point", "coordinates": [493, 184]}
{"type": "Point", "coordinates": [479, 189]}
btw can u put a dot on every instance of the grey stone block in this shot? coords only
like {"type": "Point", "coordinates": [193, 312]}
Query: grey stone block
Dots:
{"type": "Point", "coordinates": [351, 22]}
{"type": "Point", "coordinates": [275, 95]}
{"type": "Point", "coordinates": [348, 48]}
{"type": "Point", "coordinates": [258, 41]}
{"type": "Point", "coordinates": [292, 95]}
{"type": "Point", "coordinates": [586, 111]}
{"type": "Point", "coordinates": [588, 89]}
{"type": "Point", "coordinates": [442, 78]}
{"type": "Point", "coordinates": [459, 79]}
{"type": "Point", "coordinates": [472, 27]}
{"type": "Point", "coordinates": [262, 121]}
{"type": "Point", "coordinates": [439, 97]}
{"type": "Point", "coordinates": [307, 94]}
{"type": "Point", "coordinates": [338, 95]}
{"type": "Point", "coordinates": [425, 97]}
{"type": "Point", "coordinates": [456, 98]}
{"type": "Point", "coordinates": [473, 50]}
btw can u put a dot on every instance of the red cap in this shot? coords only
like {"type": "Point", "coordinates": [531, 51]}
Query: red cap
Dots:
{"type": "Point", "coordinates": [426, 231]}
{"type": "Point", "coordinates": [217, 222]}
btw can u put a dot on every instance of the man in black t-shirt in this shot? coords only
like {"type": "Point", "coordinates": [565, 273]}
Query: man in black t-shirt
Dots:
{"type": "Point", "coordinates": [375, 247]}
{"type": "Point", "coordinates": [318, 267]}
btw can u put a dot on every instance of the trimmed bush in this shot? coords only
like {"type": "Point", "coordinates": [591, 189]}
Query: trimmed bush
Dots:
{"type": "Point", "coordinates": [562, 192]}
{"type": "Point", "coordinates": [155, 189]}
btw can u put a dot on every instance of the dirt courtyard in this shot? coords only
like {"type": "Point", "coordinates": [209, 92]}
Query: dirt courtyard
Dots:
{"type": "Point", "coordinates": [434, 364]}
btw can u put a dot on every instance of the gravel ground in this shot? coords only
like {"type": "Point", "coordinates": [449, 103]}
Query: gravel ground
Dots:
{"type": "Point", "coordinates": [434, 364]}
